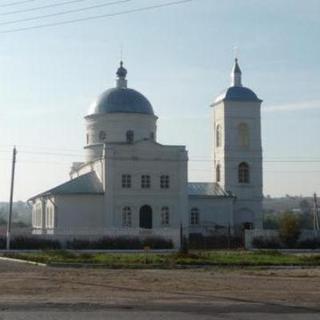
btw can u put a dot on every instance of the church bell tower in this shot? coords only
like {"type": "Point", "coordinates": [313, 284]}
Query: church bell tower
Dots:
{"type": "Point", "coordinates": [238, 150]}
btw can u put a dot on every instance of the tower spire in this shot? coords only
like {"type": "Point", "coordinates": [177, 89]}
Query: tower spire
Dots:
{"type": "Point", "coordinates": [236, 74]}
{"type": "Point", "coordinates": [121, 74]}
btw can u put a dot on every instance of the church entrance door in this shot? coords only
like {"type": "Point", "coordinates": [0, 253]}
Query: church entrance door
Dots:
{"type": "Point", "coordinates": [145, 217]}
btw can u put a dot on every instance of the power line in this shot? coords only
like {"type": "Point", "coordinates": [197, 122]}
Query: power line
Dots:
{"type": "Point", "coordinates": [16, 3]}
{"type": "Point", "coordinates": [40, 8]}
{"type": "Point", "coordinates": [40, 147]}
{"type": "Point", "coordinates": [73, 154]}
{"type": "Point", "coordinates": [97, 16]}
{"type": "Point", "coordinates": [195, 157]}
{"type": "Point", "coordinates": [65, 12]}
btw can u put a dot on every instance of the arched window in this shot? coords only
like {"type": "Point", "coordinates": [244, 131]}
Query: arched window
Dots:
{"type": "Point", "coordinates": [102, 135]}
{"type": "Point", "coordinates": [49, 217]}
{"type": "Point", "coordinates": [243, 131]}
{"type": "Point", "coordinates": [218, 173]}
{"type": "Point", "coordinates": [194, 216]}
{"type": "Point", "coordinates": [165, 219]}
{"type": "Point", "coordinates": [38, 215]}
{"type": "Point", "coordinates": [126, 217]}
{"type": "Point", "coordinates": [130, 136]}
{"type": "Point", "coordinates": [218, 136]}
{"type": "Point", "coordinates": [243, 172]}
{"type": "Point", "coordinates": [87, 136]}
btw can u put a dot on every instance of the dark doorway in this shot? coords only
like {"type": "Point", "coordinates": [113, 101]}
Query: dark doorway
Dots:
{"type": "Point", "coordinates": [146, 217]}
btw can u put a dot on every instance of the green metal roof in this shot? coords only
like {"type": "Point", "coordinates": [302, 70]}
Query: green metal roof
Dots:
{"type": "Point", "coordinates": [206, 189]}
{"type": "Point", "coordinates": [86, 184]}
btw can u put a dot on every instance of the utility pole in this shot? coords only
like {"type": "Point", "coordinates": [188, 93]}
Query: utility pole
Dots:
{"type": "Point", "coordinates": [316, 225]}
{"type": "Point", "coordinates": [14, 154]}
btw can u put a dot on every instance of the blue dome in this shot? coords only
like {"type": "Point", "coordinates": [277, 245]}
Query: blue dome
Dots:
{"type": "Point", "coordinates": [121, 100]}
{"type": "Point", "coordinates": [237, 93]}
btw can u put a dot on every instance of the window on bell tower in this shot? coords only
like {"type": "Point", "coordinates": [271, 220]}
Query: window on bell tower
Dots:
{"type": "Point", "coordinates": [243, 173]}
{"type": "Point", "coordinates": [243, 131]}
{"type": "Point", "coordinates": [218, 136]}
{"type": "Point", "coordinates": [218, 173]}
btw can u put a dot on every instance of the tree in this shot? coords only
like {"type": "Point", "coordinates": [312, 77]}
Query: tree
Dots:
{"type": "Point", "coordinates": [289, 229]}
{"type": "Point", "coordinates": [305, 206]}
{"type": "Point", "coordinates": [270, 221]}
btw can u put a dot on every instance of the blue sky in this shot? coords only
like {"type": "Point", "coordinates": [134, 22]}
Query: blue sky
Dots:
{"type": "Point", "coordinates": [180, 57]}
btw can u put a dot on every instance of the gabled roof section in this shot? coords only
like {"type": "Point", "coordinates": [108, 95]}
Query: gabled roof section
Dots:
{"type": "Point", "coordinates": [88, 183]}
{"type": "Point", "coordinates": [207, 189]}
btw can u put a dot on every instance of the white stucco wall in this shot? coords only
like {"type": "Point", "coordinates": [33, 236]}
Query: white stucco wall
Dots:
{"type": "Point", "coordinates": [229, 115]}
{"type": "Point", "coordinates": [146, 158]}
{"type": "Point", "coordinates": [115, 126]}
{"type": "Point", "coordinates": [97, 166]}
{"type": "Point", "coordinates": [74, 212]}
{"type": "Point", "coordinates": [213, 212]}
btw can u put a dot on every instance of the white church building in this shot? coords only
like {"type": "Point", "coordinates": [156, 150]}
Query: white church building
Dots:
{"type": "Point", "coordinates": [130, 184]}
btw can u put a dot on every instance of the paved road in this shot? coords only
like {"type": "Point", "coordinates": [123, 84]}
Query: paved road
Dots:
{"type": "Point", "coordinates": [30, 292]}
{"type": "Point", "coordinates": [239, 311]}
{"type": "Point", "coordinates": [124, 315]}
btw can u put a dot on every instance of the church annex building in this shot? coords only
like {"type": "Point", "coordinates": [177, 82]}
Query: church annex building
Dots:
{"type": "Point", "coordinates": [132, 185]}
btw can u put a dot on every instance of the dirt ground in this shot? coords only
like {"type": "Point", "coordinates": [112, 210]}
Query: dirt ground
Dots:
{"type": "Point", "coordinates": [25, 284]}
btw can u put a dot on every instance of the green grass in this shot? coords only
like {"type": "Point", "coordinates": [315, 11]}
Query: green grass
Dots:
{"type": "Point", "coordinates": [205, 258]}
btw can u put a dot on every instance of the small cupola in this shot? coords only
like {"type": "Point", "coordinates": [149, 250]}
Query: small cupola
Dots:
{"type": "Point", "coordinates": [121, 74]}
{"type": "Point", "coordinates": [236, 75]}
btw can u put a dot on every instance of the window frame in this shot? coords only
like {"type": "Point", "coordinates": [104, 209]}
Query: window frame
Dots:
{"type": "Point", "coordinates": [126, 181]}
{"type": "Point", "coordinates": [218, 172]}
{"type": "Point", "coordinates": [244, 173]}
{"type": "Point", "coordinates": [102, 135]}
{"type": "Point", "coordinates": [165, 216]}
{"type": "Point", "coordinates": [194, 216]}
{"type": "Point", "coordinates": [130, 136]}
{"type": "Point", "coordinates": [244, 135]}
{"type": "Point", "coordinates": [164, 181]}
{"type": "Point", "coordinates": [145, 181]}
{"type": "Point", "coordinates": [218, 135]}
{"type": "Point", "coordinates": [126, 217]}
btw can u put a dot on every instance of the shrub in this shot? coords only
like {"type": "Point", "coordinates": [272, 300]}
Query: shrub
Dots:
{"type": "Point", "coordinates": [33, 243]}
{"type": "Point", "coordinates": [289, 229]}
{"type": "Point", "coordinates": [77, 244]}
{"type": "Point", "coordinates": [313, 243]}
{"type": "Point", "coordinates": [157, 243]}
{"type": "Point", "coordinates": [266, 243]}
{"type": "Point", "coordinates": [2, 242]}
{"type": "Point", "coordinates": [198, 241]}
{"type": "Point", "coordinates": [121, 243]}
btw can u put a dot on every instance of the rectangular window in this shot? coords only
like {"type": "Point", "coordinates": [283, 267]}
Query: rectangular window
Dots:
{"type": "Point", "coordinates": [165, 216]}
{"type": "Point", "coordinates": [164, 182]}
{"type": "Point", "coordinates": [126, 181]}
{"type": "Point", "coordinates": [194, 218]}
{"type": "Point", "coordinates": [126, 217]}
{"type": "Point", "coordinates": [145, 182]}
